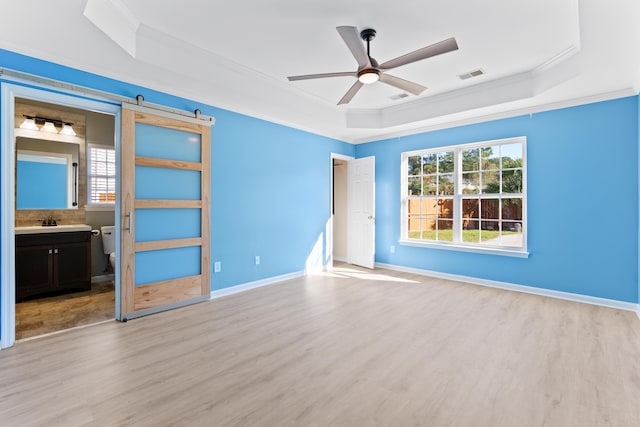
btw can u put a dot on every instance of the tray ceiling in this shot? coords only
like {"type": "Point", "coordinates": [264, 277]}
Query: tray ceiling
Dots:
{"type": "Point", "coordinates": [237, 55]}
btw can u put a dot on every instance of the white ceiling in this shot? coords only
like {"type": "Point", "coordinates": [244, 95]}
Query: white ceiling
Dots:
{"type": "Point", "coordinates": [237, 55]}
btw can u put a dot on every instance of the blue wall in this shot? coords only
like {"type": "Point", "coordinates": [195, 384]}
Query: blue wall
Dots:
{"type": "Point", "coordinates": [582, 183]}
{"type": "Point", "coordinates": [271, 197]}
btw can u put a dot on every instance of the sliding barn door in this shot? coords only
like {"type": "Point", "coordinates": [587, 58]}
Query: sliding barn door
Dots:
{"type": "Point", "coordinates": [164, 213]}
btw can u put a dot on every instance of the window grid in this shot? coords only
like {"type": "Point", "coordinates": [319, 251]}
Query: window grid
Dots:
{"type": "Point", "coordinates": [484, 205]}
{"type": "Point", "coordinates": [101, 175]}
{"type": "Point", "coordinates": [433, 184]}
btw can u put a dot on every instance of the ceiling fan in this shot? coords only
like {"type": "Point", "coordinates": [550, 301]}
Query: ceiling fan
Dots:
{"type": "Point", "coordinates": [368, 69]}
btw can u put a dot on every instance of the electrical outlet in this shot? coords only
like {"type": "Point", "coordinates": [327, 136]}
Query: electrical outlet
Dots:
{"type": "Point", "coordinates": [392, 249]}
{"type": "Point", "coordinates": [257, 259]}
{"type": "Point", "coordinates": [217, 267]}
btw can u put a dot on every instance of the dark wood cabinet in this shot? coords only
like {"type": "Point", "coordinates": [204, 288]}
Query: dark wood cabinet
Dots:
{"type": "Point", "coordinates": [52, 263]}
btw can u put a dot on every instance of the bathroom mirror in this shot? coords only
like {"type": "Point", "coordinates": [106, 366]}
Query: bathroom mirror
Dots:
{"type": "Point", "coordinates": [46, 174]}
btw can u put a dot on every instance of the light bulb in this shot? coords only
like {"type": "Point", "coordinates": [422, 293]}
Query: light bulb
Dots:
{"type": "Point", "coordinates": [49, 127]}
{"type": "Point", "coordinates": [67, 129]}
{"type": "Point", "coordinates": [369, 76]}
{"type": "Point", "coordinates": [29, 123]}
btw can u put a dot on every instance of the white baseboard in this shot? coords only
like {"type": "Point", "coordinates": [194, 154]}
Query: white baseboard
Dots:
{"type": "Point", "coordinates": [621, 305]}
{"type": "Point", "coordinates": [103, 278]}
{"type": "Point", "coordinates": [257, 284]}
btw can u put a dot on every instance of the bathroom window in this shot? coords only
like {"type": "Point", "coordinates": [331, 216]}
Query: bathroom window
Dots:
{"type": "Point", "coordinates": [101, 175]}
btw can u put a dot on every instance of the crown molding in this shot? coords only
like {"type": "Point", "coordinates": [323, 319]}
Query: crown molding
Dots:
{"type": "Point", "coordinates": [560, 68]}
{"type": "Point", "coordinates": [515, 112]}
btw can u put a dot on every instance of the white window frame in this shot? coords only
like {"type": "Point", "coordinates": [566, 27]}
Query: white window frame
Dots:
{"type": "Point", "coordinates": [92, 205]}
{"type": "Point", "coordinates": [457, 244]}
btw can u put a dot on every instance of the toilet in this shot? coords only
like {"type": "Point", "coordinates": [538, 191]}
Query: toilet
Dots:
{"type": "Point", "coordinates": [109, 244]}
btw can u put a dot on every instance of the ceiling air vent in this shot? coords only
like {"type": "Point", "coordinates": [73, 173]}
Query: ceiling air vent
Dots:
{"type": "Point", "coordinates": [474, 73]}
{"type": "Point", "coordinates": [398, 96]}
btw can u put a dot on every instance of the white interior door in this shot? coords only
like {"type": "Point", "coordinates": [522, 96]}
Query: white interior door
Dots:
{"type": "Point", "coordinates": [361, 228]}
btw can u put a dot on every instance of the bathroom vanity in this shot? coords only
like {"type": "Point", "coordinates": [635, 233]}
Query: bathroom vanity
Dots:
{"type": "Point", "coordinates": [52, 260]}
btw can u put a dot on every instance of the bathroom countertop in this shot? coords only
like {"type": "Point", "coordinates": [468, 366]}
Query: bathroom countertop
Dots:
{"type": "Point", "coordinates": [37, 229]}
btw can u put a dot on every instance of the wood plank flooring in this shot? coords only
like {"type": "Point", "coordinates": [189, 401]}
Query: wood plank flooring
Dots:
{"type": "Point", "coordinates": [45, 315]}
{"type": "Point", "coordinates": [345, 348]}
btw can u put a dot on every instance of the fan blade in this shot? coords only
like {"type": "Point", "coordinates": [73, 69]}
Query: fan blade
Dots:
{"type": "Point", "coordinates": [351, 92]}
{"type": "Point", "coordinates": [352, 39]}
{"type": "Point", "coordinates": [322, 76]}
{"type": "Point", "coordinates": [402, 84]}
{"type": "Point", "coordinates": [439, 48]}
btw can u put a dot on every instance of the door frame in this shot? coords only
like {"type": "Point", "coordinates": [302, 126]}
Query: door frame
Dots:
{"type": "Point", "coordinates": [348, 159]}
{"type": "Point", "coordinates": [9, 90]}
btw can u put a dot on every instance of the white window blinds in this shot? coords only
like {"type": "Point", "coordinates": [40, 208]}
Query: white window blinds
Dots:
{"type": "Point", "coordinates": [101, 175]}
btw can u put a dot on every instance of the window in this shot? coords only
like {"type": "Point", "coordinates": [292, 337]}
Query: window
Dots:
{"type": "Point", "coordinates": [467, 196]}
{"type": "Point", "coordinates": [101, 175]}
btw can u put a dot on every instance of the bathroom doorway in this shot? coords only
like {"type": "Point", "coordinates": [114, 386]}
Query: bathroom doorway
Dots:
{"type": "Point", "coordinates": [353, 210]}
{"type": "Point", "coordinates": [56, 277]}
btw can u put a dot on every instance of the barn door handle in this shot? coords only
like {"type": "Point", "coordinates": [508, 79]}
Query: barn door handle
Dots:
{"type": "Point", "coordinates": [128, 216]}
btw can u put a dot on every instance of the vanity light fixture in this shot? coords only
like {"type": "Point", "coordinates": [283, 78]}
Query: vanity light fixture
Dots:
{"type": "Point", "coordinates": [48, 125]}
{"type": "Point", "coordinates": [29, 123]}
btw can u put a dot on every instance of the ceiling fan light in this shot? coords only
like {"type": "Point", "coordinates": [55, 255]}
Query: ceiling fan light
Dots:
{"type": "Point", "coordinates": [369, 76]}
{"type": "Point", "coordinates": [29, 123]}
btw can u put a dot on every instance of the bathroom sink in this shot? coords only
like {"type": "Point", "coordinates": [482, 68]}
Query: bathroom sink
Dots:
{"type": "Point", "coordinates": [37, 229]}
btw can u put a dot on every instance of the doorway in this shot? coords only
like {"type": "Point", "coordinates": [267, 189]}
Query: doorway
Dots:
{"type": "Point", "coordinates": [339, 209]}
{"type": "Point", "coordinates": [353, 210]}
{"type": "Point", "coordinates": [64, 274]}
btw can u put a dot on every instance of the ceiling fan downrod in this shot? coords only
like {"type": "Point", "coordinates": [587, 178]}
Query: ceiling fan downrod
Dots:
{"type": "Point", "coordinates": [367, 35]}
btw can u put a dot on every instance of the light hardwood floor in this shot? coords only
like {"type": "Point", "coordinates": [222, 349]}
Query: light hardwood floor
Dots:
{"type": "Point", "coordinates": [346, 348]}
